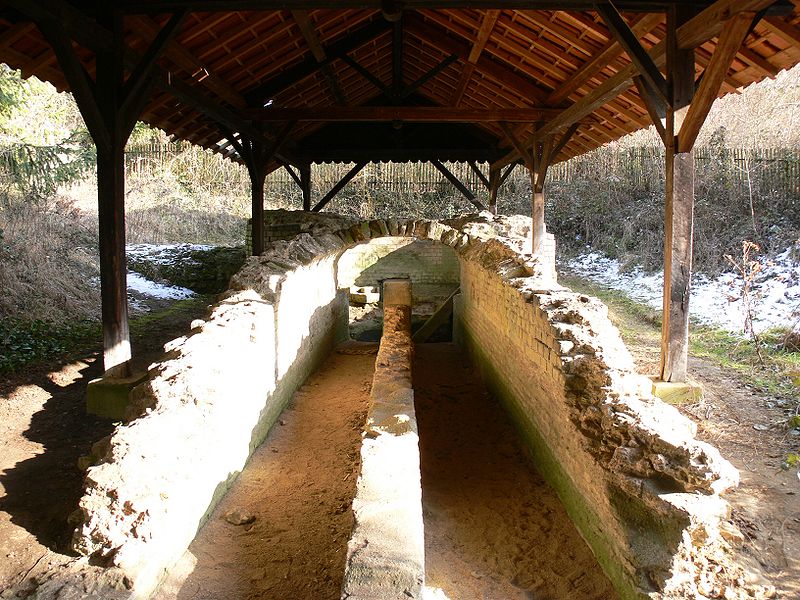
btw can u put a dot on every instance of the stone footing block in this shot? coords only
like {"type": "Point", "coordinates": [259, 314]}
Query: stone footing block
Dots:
{"type": "Point", "coordinates": [673, 392]}
{"type": "Point", "coordinates": [108, 396]}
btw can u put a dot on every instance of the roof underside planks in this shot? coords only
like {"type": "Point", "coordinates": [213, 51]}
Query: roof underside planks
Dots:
{"type": "Point", "coordinates": [455, 60]}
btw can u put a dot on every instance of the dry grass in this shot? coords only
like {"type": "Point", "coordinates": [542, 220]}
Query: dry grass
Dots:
{"type": "Point", "coordinates": [48, 261]}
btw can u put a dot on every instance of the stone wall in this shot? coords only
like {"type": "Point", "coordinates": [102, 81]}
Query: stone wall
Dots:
{"type": "Point", "coordinates": [641, 490]}
{"type": "Point", "coordinates": [193, 425]}
{"type": "Point", "coordinates": [386, 552]}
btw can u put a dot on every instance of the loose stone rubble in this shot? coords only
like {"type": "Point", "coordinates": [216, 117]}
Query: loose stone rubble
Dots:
{"type": "Point", "coordinates": [641, 490]}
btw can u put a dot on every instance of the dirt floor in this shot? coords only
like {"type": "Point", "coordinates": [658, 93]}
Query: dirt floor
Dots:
{"type": "Point", "coordinates": [44, 428]}
{"type": "Point", "coordinates": [297, 489]}
{"type": "Point", "coordinates": [747, 427]}
{"type": "Point", "coordinates": [494, 530]}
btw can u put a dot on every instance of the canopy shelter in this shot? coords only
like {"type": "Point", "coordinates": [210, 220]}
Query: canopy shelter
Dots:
{"type": "Point", "coordinates": [282, 84]}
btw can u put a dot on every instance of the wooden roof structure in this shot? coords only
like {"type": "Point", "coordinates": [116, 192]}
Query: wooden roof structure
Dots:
{"type": "Point", "coordinates": [414, 80]}
{"type": "Point", "coordinates": [274, 83]}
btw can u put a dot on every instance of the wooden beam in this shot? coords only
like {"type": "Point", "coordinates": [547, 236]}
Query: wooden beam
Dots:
{"type": "Point", "coordinates": [731, 39]}
{"type": "Point", "coordinates": [81, 84]}
{"type": "Point", "coordinates": [495, 180]}
{"type": "Point", "coordinates": [656, 106]}
{"type": "Point", "coordinates": [630, 42]}
{"type": "Point", "coordinates": [465, 191]}
{"type": "Point", "coordinates": [518, 145]}
{"type": "Point", "coordinates": [338, 187]}
{"type": "Point", "coordinates": [397, 57]}
{"type": "Point", "coordinates": [161, 6]}
{"type": "Point", "coordinates": [601, 60]}
{"type": "Point", "coordinates": [563, 141]}
{"type": "Point", "coordinates": [438, 38]}
{"type": "Point", "coordinates": [506, 173]}
{"type": "Point", "coordinates": [382, 87]}
{"type": "Point", "coordinates": [484, 31]}
{"type": "Point", "coordinates": [310, 36]}
{"type": "Point", "coordinates": [475, 169]}
{"type": "Point", "coordinates": [678, 209]}
{"type": "Point", "coordinates": [419, 114]}
{"type": "Point", "coordinates": [292, 174]}
{"type": "Point", "coordinates": [184, 59]}
{"type": "Point", "coordinates": [308, 67]}
{"type": "Point", "coordinates": [111, 203]}
{"type": "Point", "coordinates": [137, 88]}
{"type": "Point", "coordinates": [305, 184]}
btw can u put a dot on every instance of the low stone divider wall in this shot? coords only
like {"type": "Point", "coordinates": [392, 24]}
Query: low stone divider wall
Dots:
{"type": "Point", "coordinates": [641, 490]}
{"type": "Point", "coordinates": [386, 552]}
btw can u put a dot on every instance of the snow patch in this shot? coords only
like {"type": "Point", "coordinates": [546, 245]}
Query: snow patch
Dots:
{"type": "Point", "coordinates": [140, 284]}
{"type": "Point", "coordinates": [775, 295]}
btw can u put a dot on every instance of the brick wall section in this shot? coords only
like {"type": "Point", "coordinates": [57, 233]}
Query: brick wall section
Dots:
{"type": "Point", "coordinates": [641, 490]}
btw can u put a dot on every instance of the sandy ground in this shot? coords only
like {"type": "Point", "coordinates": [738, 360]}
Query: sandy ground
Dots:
{"type": "Point", "coordinates": [494, 530]}
{"type": "Point", "coordinates": [298, 487]}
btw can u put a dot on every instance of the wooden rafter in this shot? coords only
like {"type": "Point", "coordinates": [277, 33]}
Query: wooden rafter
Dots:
{"type": "Point", "coordinates": [484, 31]}
{"type": "Point", "coordinates": [637, 54]}
{"type": "Point", "coordinates": [310, 36]}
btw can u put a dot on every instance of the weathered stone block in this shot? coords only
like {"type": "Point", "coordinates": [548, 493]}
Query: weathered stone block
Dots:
{"type": "Point", "coordinates": [109, 396]}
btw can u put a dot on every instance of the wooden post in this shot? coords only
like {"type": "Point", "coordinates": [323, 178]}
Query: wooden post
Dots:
{"type": "Point", "coordinates": [678, 209]}
{"type": "Point", "coordinates": [111, 206]}
{"type": "Point", "coordinates": [110, 107]}
{"type": "Point", "coordinates": [541, 162]}
{"type": "Point", "coordinates": [258, 175]}
{"type": "Point", "coordinates": [494, 186]}
{"type": "Point", "coordinates": [305, 185]}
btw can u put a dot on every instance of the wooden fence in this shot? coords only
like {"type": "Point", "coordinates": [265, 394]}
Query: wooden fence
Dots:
{"type": "Point", "coordinates": [774, 170]}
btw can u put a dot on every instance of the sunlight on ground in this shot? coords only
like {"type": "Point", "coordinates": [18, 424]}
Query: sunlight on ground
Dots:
{"type": "Point", "coordinates": [433, 593]}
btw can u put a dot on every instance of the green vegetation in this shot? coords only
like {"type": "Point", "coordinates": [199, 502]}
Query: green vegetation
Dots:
{"type": "Point", "coordinates": [25, 343]}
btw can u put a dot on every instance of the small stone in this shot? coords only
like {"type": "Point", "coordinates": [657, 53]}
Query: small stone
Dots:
{"type": "Point", "coordinates": [761, 427]}
{"type": "Point", "coordinates": [239, 517]}
{"type": "Point", "coordinates": [282, 422]}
